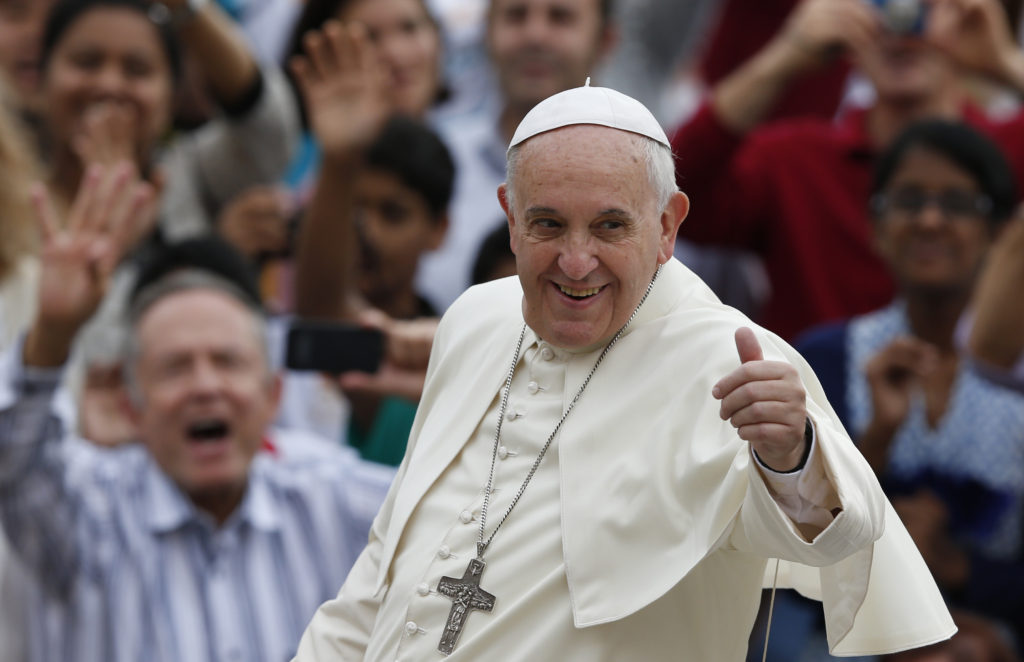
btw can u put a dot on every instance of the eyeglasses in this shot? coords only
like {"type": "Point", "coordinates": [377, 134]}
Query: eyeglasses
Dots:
{"type": "Point", "coordinates": [954, 204]}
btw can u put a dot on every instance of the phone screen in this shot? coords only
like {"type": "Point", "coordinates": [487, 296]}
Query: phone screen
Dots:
{"type": "Point", "coordinates": [333, 347]}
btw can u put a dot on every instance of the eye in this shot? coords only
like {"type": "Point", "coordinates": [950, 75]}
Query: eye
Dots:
{"type": "Point", "coordinates": [137, 68]}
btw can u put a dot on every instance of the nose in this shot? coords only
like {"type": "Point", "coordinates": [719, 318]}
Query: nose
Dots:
{"type": "Point", "coordinates": [577, 258]}
{"type": "Point", "coordinates": [206, 379]}
{"type": "Point", "coordinates": [931, 216]}
{"type": "Point", "coordinates": [110, 81]}
{"type": "Point", "coordinates": [535, 26]}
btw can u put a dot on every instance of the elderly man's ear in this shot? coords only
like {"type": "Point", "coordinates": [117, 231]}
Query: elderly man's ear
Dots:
{"type": "Point", "coordinates": [671, 218]}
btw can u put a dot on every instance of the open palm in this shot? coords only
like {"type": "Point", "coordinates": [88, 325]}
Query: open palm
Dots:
{"type": "Point", "coordinates": [78, 256]}
{"type": "Point", "coordinates": [343, 86]}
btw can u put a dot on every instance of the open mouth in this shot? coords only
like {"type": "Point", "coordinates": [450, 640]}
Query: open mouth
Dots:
{"type": "Point", "coordinates": [579, 295]}
{"type": "Point", "coordinates": [208, 430]}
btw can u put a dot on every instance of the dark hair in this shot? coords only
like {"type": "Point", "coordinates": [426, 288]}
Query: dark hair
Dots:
{"type": "Point", "coordinates": [65, 13]}
{"type": "Point", "coordinates": [412, 152]}
{"type": "Point", "coordinates": [208, 253]}
{"type": "Point", "coordinates": [494, 248]}
{"type": "Point", "coordinates": [971, 151]}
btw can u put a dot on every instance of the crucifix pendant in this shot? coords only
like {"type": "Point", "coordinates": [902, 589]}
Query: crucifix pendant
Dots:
{"type": "Point", "coordinates": [465, 594]}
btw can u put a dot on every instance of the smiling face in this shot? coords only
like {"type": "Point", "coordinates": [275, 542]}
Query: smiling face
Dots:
{"type": "Point", "coordinates": [587, 231]}
{"type": "Point", "coordinates": [929, 249]}
{"type": "Point", "coordinates": [109, 56]}
{"type": "Point", "coordinates": [409, 45]}
{"type": "Point", "coordinates": [206, 392]}
{"type": "Point", "coordinates": [541, 47]}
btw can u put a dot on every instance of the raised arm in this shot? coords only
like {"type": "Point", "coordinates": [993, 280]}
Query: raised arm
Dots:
{"type": "Point", "coordinates": [37, 510]}
{"type": "Point", "coordinates": [997, 338]}
{"type": "Point", "coordinates": [343, 87]}
{"type": "Point", "coordinates": [228, 67]}
{"type": "Point", "coordinates": [721, 163]}
{"type": "Point", "coordinates": [816, 33]}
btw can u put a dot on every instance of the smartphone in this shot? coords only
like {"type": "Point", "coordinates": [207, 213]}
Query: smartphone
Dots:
{"type": "Point", "coordinates": [902, 16]}
{"type": "Point", "coordinates": [333, 347]}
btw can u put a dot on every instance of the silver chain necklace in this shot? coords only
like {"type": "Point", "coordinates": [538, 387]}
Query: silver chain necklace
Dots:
{"type": "Point", "coordinates": [466, 593]}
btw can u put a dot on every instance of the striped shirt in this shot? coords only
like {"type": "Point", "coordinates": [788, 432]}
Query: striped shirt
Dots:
{"type": "Point", "coordinates": [118, 566]}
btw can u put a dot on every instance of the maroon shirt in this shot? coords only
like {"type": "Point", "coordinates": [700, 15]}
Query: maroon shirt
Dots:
{"type": "Point", "coordinates": [796, 193]}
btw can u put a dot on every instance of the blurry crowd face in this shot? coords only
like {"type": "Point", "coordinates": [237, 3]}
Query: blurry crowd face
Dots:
{"type": "Point", "coordinates": [905, 69]}
{"type": "Point", "coordinates": [21, 30]}
{"type": "Point", "coordinates": [932, 229]}
{"type": "Point", "coordinates": [113, 57]}
{"type": "Point", "coordinates": [409, 45]}
{"type": "Point", "coordinates": [542, 47]}
{"type": "Point", "coordinates": [206, 394]}
{"type": "Point", "coordinates": [587, 232]}
{"type": "Point", "coordinates": [395, 227]}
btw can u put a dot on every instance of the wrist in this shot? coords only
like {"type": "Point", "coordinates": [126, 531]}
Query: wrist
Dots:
{"type": "Point", "coordinates": [796, 459]}
{"type": "Point", "coordinates": [47, 345]}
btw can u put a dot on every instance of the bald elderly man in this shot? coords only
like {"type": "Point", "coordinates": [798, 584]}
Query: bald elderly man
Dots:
{"type": "Point", "coordinates": [606, 460]}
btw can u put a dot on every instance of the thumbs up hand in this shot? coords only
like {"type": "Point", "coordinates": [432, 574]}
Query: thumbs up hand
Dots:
{"type": "Point", "coordinates": [765, 402]}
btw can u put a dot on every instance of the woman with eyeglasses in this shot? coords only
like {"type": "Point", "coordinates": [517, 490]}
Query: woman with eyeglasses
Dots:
{"type": "Point", "coordinates": [947, 445]}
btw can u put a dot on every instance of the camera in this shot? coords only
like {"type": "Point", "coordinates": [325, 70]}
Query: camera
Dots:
{"type": "Point", "coordinates": [905, 17]}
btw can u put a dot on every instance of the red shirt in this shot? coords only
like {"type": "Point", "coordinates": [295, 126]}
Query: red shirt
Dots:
{"type": "Point", "coordinates": [796, 193]}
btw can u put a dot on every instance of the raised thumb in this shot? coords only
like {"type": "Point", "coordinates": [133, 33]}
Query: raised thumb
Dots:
{"type": "Point", "coordinates": [747, 346]}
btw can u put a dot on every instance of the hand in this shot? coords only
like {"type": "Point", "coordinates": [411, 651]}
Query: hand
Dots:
{"type": "Point", "coordinates": [977, 35]}
{"type": "Point", "coordinates": [109, 134]}
{"type": "Point", "coordinates": [765, 402]}
{"type": "Point", "coordinates": [256, 221]}
{"type": "Point", "coordinates": [404, 369]}
{"type": "Point", "coordinates": [343, 86]}
{"type": "Point", "coordinates": [818, 30]}
{"type": "Point", "coordinates": [927, 520]}
{"type": "Point", "coordinates": [893, 375]}
{"type": "Point", "coordinates": [103, 415]}
{"type": "Point", "coordinates": [79, 256]}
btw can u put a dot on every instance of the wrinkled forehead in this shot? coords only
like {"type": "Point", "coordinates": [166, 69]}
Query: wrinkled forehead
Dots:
{"type": "Point", "coordinates": [579, 145]}
{"type": "Point", "coordinates": [198, 316]}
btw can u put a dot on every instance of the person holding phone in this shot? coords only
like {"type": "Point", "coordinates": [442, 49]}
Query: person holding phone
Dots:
{"type": "Point", "coordinates": [793, 191]}
{"type": "Point", "coordinates": [380, 203]}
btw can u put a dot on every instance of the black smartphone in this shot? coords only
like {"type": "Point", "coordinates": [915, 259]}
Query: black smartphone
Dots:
{"type": "Point", "coordinates": [333, 347]}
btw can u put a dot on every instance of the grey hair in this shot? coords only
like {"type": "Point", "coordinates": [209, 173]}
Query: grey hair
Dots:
{"type": "Point", "coordinates": [658, 160]}
{"type": "Point", "coordinates": [184, 280]}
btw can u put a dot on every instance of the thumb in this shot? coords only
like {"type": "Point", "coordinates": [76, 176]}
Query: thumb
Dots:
{"type": "Point", "coordinates": [747, 346]}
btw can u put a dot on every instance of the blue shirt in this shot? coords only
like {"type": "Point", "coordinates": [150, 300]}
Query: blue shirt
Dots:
{"type": "Point", "coordinates": [122, 567]}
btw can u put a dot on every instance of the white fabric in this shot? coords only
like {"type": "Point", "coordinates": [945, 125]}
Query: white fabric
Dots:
{"type": "Point", "coordinates": [660, 535]}
{"type": "Point", "coordinates": [590, 105]}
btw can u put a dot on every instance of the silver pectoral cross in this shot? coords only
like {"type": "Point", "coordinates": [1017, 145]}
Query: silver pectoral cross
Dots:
{"type": "Point", "coordinates": [465, 594]}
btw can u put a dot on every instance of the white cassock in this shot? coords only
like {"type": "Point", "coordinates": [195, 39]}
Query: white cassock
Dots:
{"type": "Point", "coordinates": [647, 530]}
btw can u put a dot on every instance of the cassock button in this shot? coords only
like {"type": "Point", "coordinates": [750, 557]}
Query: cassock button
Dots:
{"type": "Point", "coordinates": [423, 589]}
{"type": "Point", "coordinates": [465, 517]}
{"type": "Point", "coordinates": [502, 453]}
{"type": "Point", "coordinates": [532, 387]}
{"type": "Point", "coordinates": [547, 353]}
{"type": "Point", "coordinates": [411, 627]}
{"type": "Point", "coordinates": [444, 552]}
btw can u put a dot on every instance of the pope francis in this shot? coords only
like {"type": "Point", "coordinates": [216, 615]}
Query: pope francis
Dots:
{"type": "Point", "coordinates": [607, 463]}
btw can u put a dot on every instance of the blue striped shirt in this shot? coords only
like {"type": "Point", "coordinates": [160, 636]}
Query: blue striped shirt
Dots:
{"type": "Point", "coordinates": [122, 568]}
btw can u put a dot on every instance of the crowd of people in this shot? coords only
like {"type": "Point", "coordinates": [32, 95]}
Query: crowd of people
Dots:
{"type": "Point", "coordinates": [185, 180]}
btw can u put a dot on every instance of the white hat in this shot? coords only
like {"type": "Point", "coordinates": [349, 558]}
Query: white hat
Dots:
{"type": "Point", "coordinates": [590, 105]}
